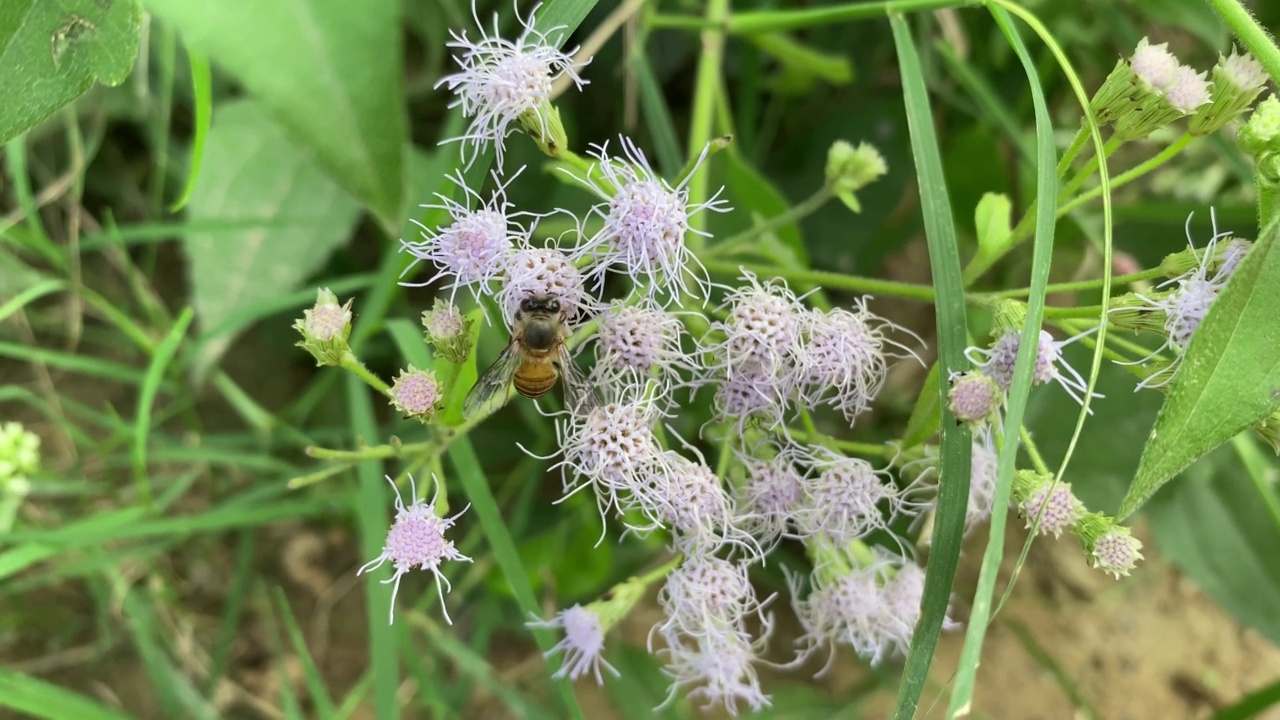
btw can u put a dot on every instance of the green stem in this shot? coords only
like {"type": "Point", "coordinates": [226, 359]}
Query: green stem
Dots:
{"type": "Point", "coordinates": [1067, 190]}
{"type": "Point", "coordinates": [1125, 178]}
{"type": "Point", "coordinates": [1077, 144]}
{"type": "Point", "coordinates": [357, 368]}
{"type": "Point", "coordinates": [807, 207]}
{"type": "Point", "coordinates": [706, 90]}
{"type": "Point", "coordinates": [748, 23]}
{"type": "Point", "coordinates": [828, 280]}
{"type": "Point", "coordinates": [1254, 37]}
{"type": "Point", "coordinates": [813, 435]}
{"type": "Point", "coordinates": [1076, 285]}
{"type": "Point", "coordinates": [375, 452]}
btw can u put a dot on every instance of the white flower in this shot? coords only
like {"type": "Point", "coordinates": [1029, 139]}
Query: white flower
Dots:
{"type": "Point", "coordinates": [645, 224]}
{"type": "Point", "coordinates": [998, 362]}
{"type": "Point", "coordinates": [636, 344]}
{"type": "Point", "coordinates": [719, 667]}
{"type": "Point", "coordinates": [501, 82]}
{"type": "Point", "coordinates": [773, 495]}
{"type": "Point", "coordinates": [545, 270]}
{"type": "Point", "coordinates": [849, 499]}
{"type": "Point", "coordinates": [582, 644]}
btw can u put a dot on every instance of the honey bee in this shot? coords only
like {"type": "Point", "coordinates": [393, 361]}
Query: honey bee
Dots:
{"type": "Point", "coordinates": [534, 359]}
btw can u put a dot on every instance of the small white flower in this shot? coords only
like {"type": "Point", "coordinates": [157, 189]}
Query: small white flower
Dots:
{"type": "Point", "coordinates": [476, 246]}
{"type": "Point", "coordinates": [545, 270]}
{"type": "Point", "coordinates": [719, 667]}
{"type": "Point", "coordinates": [638, 343]}
{"type": "Point", "coordinates": [612, 449]}
{"type": "Point", "coordinates": [846, 606]}
{"type": "Point", "coordinates": [1155, 65]}
{"type": "Point", "coordinates": [501, 82]}
{"type": "Point", "coordinates": [693, 503]}
{"type": "Point", "coordinates": [705, 593]}
{"type": "Point", "coordinates": [848, 499]}
{"type": "Point", "coordinates": [645, 224]}
{"type": "Point", "coordinates": [1116, 552]}
{"type": "Point", "coordinates": [582, 644]}
{"type": "Point", "coordinates": [773, 494]}
{"type": "Point", "coordinates": [416, 539]}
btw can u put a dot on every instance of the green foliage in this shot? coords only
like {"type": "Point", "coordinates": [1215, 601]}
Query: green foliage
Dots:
{"type": "Point", "coordinates": [1229, 379]}
{"type": "Point", "coordinates": [328, 71]}
{"type": "Point", "coordinates": [52, 52]}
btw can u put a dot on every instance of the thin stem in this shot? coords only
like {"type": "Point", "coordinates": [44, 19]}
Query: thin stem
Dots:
{"type": "Point", "coordinates": [375, 452]}
{"type": "Point", "coordinates": [748, 23]}
{"type": "Point", "coordinates": [807, 207]}
{"type": "Point", "coordinates": [351, 363]}
{"type": "Point", "coordinates": [1077, 144]}
{"type": "Point", "coordinates": [706, 90]}
{"type": "Point", "coordinates": [1125, 178]}
{"type": "Point", "coordinates": [828, 280]}
{"type": "Point", "coordinates": [1087, 171]}
{"type": "Point", "coordinates": [1076, 285]}
{"type": "Point", "coordinates": [814, 435]}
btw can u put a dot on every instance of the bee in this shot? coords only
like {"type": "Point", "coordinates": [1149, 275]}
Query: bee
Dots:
{"type": "Point", "coordinates": [534, 359]}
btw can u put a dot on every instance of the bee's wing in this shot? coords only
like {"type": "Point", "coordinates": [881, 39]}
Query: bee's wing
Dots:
{"type": "Point", "coordinates": [579, 397]}
{"type": "Point", "coordinates": [492, 385]}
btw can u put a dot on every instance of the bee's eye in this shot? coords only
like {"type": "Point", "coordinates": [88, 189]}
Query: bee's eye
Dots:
{"type": "Point", "coordinates": [553, 305]}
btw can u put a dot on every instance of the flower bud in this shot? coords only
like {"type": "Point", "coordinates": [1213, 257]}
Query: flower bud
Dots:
{"type": "Point", "coordinates": [19, 451]}
{"type": "Point", "coordinates": [325, 329]}
{"type": "Point", "coordinates": [1237, 82]}
{"type": "Point", "coordinates": [850, 169]}
{"type": "Point", "coordinates": [543, 124]}
{"type": "Point", "coordinates": [416, 393]}
{"type": "Point", "coordinates": [975, 398]}
{"type": "Point", "coordinates": [1150, 112]}
{"type": "Point", "coordinates": [1260, 135]}
{"type": "Point", "coordinates": [448, 331]}
{"type": "Point", "coordinates": [1111, 548]}
{"type": "Point", "coordinates": [1041, 500]}
{"type": "Point", "coordinates": [1137, 83]}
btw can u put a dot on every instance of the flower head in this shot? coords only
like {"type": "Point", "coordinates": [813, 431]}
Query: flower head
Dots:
{"type": "Point", "coordinates": [718, 666]}
{"type": "Point", "coordinates": [639, 342]}
{"type": "Point", "coordinates": [842, 358]}
{"type": "Point", "coordinates": [1189, 91]}
{"type": "Point", "coordinates": [416, 393]}
{"type": "Point", "coordinates": [325, 328]}
{"type": "Point", "coordinates": [582, 644]}
{"type": "Point", "coordinates": [998, 362]}
{"type": "Point", "coordinates": [849, 169]}
{"type": "Point", "coordinates": [547, 271]}
{"type": "Point", "coordinates": [693, 503]}
{"type": "Point", "coordinates": [773, 494]}
{"type": "Point", "coordinates": [847, 605]}
{"type": "Point", "coordinates": [1116, 552]}
{"type": "Point", "coordinates": [1237, 82]}
{"type": "Point", "coordinates": [849, 499]}
{"type": "Point", "coordinates": [19, 452]}
{"type": "Point", "coordinates": [975, 398]}
{"type": "Point", "coordinates": [1050, 504]}
{"type": "Point", "coordinates": [1155, 65]}
{"type": "Point", "coordinates": [645, 224]}
{"type": "Point", "coordinates": [448, 331]}
{"type": "Point", "coordinates": [501, 82]}
{"type": "Point", "coordinates": [476, 246]}
{"type": "Point", "coordinates": [705, 594]}
{"type": "Point", "coordinates": [612, 449]}
{"type": "Point", "coordinates": [416, 540]}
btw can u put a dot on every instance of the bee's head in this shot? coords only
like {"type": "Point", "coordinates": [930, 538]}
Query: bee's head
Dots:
{"type": "Point", "coordinates": [540, 302]}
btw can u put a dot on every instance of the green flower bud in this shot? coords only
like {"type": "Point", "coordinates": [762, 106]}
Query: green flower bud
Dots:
{"type": "Point", "coordinates": [1261, 133]}
{"type": "Point", "coordinates": [325, 329]}
{"type": "Point", "coordinates": [1237, 82]}
{"type": "Point", "coordinates": [850, 169]}
{"type": "Point", "coordinates": [543, 124]}
{"type": "Point", "coordinates": [448, 331]}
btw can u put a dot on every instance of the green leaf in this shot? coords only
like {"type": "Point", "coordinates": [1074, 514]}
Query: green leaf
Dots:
{"type": "Point", "coordinates": [40, 699]}
{"type": "Point", "coordinates": [800, 65]}
{"type": "Point", "coordinates": [955, 449]}
{"type": "Point", "coordinates": [251, 171]}
{"type": "Point", "coordinates": [51, 52]}
{"type": "Point", "coordinates": [1230, 376]}
{"type": "Point", "coordinates": [329, 71]}
{"type": "Point", "coordinates": [1213, 527]}
{"type": "Point", "coordinates": [992, 220]}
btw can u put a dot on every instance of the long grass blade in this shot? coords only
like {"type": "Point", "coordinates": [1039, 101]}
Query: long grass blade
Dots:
{"type": "Point", "coordinates": [147, 397]}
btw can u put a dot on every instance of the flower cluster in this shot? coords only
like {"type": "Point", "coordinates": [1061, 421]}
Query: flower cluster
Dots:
{"type": "Point", "coordinates": [1153, 89]}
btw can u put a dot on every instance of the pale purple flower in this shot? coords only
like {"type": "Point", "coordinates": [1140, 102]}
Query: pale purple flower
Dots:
{"type": "Point", "coordinates": [753, 396]}
{"type": "Point", "coordinates": [693, 504]}
{"type": "Point", "coordinates": [645, 221]}
{"type": "Point", "coordinates": [717, 668]}
{"type": "Point", "coordinates": [416, 393]}
{"type": "Point", "coordinates": [501, 82]}
{"type": "Point", "coordinates": [1054, 506]}
{"type": "Point", "coordinates": [763, 329]}
{"type": "Point", "coordinates": [612, 449]}
{"type": "Point", "coordinates": [582, 644]}
{"type": "Point", "coordinates": [975, 397]}
{"type": "Point", "coordinates": [545, 270]}
{"type": "Point", "coordinates": [327, 320]}
{"type": "Point", "coordinates": [1116, 552]}
{"type": "Point", "coordinates": [842, 360]}
{"type": "Point", "coordinates": [848, 606]}
{"type": "Point", "coordinates": [998, 362]}
{"type": "Point", "coordinates": [416, 540]}
{"type": "Point", "coordinates": [476, 246]}
{"type": "Point", "coordinates": [849, 498]}
{"type": "Point", "coordinates": [1189, 90]}
{"type": "Point", "coordinates": [637, 343]}
{"type": "Point", "coordinates": [773, 494]}
{"type": "Point", "coordinates": [705, 594]}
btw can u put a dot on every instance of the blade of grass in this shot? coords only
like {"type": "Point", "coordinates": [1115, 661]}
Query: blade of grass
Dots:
{"type": "Point", "coordinates": [656, 114]}
{"type": "Point", "coordinates": [229, 626]}
{"type": "Point", "coordinates": [40, 699]}
{"type": "Point", "coordinates": [1046, 189]}
{"type": "Point", "coordinates": [475, 666]}
{"type": "Point", "coordinates": [31, 294]}
{"type": "Point", "coordinates": [323, 704]}
{"type": "Point", "coordinates": [77, 363]}
{"type": "Point", "coordinates": [202, 93]}
{"type": "Point", "coordinates": [147, 397]}
{"type": "Point", "coordinates": [955, 448]}
{"type": "Point", "coordinates": [371, 507]}
{"type": "Point", "coordinates": [472, 476]}
{"type": "Point", "coordinates": [37, 239]}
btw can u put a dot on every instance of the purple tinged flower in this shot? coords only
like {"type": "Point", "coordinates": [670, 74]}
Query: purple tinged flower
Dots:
{"type": "Point", "coordinates": [719, 667]}
{"type": "Point", "coordinates": [636, 343]}
{"type": "Point", "coordinates": [763, 328]}
{"type": "Point", "coordinates": [983, 471]}
{"type": "Point", "coordinates": [842, 358]}
{"type": "Point", "coordinates": [1243, 72]}
{"type": "Point", "coordinates": [975, 398]}
{"type": "Point", "coordinates": [1054, 506]}
{"type": "Point", "coordinates": [416, 540]}
{"type": "Point", "coordinates": [848, 605]}
{"type": "Point", "coordinates": [705, 594]}
{"type": "Point", "coordinates": [1116, 552]}
{"type": "Point", "coordinates": [546, 270]}
{"type": "Point", "coordinates": [1155, 65]}
{"type": "Point", "coordinates": [326, 320]}
{"type": "Point", "coordinates": [849, 499]}
{"type": "Point", "coordinates": [998, 362]}
{"type": "Point", "coordinates": [416, 393]}
{"type": "Point", "coordinates": [501, 82]}
{"type": "Point", "coordinates": [772, 496]}
{"type": "Point", "coordinates": [692, 502]}
{"type": "Point", "coordinates": [612, 449]}
{"type": "Point", "coordinates": [753, 396]}
{"type": "Point", "coordinates": [476, 246]}
{"type": "Point", "coordinates": [645, 222]}
{"type": "Point", "coordinates": [1189, 90]}
{"type": "Point", "coordinates": [582, 644]}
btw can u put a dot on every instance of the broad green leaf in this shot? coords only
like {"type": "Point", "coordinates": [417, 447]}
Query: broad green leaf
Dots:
{"type": "Point", "coordinates": [51, 52]}
{"type": "Point", "coordinates": [992, 220]}
{"type": "Point", "coordinates": [1230, 376]}
{"type": "Point", "coordinates": [252, 171]}
{"type": "Point", "coordinates": [329, 71]}
{"type": "Point", "coordinates": [1214, 528]}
